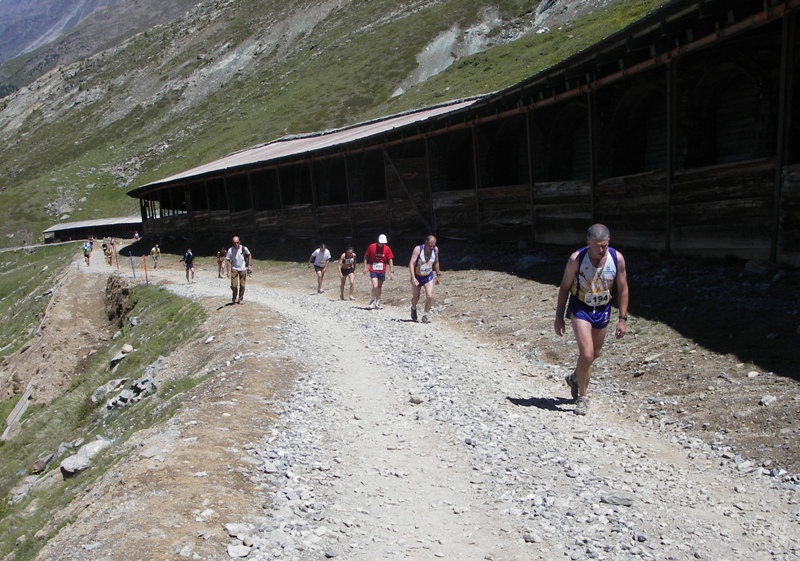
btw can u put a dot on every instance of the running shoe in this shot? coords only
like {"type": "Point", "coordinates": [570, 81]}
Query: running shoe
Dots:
{"type": "Point", "coordinates": [413, 314]}
{"type": "Point", "coordinates": [581, 406]}
{"type": "Point", "coordinates": [572, 382]}
{"type": "Point", "coordinates": [424, 318]}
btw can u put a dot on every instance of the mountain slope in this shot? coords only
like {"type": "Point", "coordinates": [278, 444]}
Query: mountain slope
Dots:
{"type": "Point", "coordinates": [233, 74]}
{"type": "Point", "coordinates": [27, 25]}
{"type": "Point", "coordinates": [37, 37]}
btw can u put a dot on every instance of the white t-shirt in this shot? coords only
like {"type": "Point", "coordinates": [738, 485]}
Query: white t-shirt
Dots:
{"type": "Point", "coordinates": [236, 257]}
{"type": "Point", "coordinates": [321, 258]}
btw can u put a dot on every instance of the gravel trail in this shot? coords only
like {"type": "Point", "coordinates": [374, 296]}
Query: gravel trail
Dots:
{"type": "Point", "coordinates": [411, 441]}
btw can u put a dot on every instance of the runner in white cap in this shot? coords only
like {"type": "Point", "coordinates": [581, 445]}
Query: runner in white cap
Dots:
{"type": "Point", "coordinates": [377, 258]}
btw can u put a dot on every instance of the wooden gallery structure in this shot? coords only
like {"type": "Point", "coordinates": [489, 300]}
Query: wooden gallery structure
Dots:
{"type": "Point", "coordinates": [680, 132]}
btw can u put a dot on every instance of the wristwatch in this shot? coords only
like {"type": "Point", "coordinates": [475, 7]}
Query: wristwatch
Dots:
{"type": "Point", "coordinates": [624, 318]}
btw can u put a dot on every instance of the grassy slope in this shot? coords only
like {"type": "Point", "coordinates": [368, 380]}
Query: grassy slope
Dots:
{"type": "Point", "coordinates": [342, 72]}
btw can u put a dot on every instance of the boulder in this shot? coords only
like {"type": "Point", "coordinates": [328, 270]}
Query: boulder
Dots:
{"type": "Point", "coordinates": [109, 387]}
{"type": "Point", "coordinates": [83, 459]}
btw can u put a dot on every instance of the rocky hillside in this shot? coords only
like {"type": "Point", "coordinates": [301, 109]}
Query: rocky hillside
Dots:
{"type": "Point", "coordinates": [229, 75]}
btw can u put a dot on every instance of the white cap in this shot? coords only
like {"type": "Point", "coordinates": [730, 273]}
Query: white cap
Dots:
{"type": "Point", "coordinates": [382, 238]}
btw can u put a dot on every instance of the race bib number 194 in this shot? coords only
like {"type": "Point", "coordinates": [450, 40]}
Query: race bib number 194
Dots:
{"type": "Point", "coordinates": [597, 299]}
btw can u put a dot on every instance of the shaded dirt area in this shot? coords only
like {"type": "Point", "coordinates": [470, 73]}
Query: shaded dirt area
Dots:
{"type": "Point", "coordinates": [709, 343]}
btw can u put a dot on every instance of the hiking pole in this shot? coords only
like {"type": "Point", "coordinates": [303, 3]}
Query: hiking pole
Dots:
{"type": "Point", "coordinates": [133, 268]}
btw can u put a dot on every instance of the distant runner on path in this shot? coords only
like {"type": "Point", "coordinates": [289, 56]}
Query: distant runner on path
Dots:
{"type": "Point", "coordinates": [347, 271]}
{"type": "Point", "coordinates": [87, 251]}
{"type": "Point", "coordinates": [188, 262]}
{"type": "Point", "coordinates": [320, 259]}
{"type": "Point", "coordinates": [423, 265]}
{"type": "Point", "coordinates": [221, 252]}
{"type": "Point", "coordinates": [155, 253]}
{"type": "Point", "coordinates": [590, 275]}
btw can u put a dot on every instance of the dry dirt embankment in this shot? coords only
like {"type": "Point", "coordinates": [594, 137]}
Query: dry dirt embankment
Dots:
{"type": "Point", "coordinates": [400, 440]}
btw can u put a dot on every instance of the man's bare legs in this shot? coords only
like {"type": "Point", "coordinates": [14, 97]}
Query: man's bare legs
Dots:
{"type": "Point", "coordinates": [590, 342]}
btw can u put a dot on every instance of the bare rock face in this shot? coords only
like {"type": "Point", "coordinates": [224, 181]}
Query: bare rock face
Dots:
{"type": "Point", "coordinates": [108, 388]}
{"type": "Point", "coordinates": [83, 459]}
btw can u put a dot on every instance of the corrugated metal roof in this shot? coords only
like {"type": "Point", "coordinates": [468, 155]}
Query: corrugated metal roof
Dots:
{"type": "Point", "coordinates": [291, 146]}
{"type": "Point", "coordinates": [99, 222]}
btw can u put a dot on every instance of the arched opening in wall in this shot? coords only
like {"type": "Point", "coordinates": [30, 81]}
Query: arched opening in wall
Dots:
{"type": "Point", "coordinates": [538, 151]}
{"type": "Point", "coordinates": [238, 188]}
{"type": "Point", "coordinates": [793, 147]}
{"type": "Point", "coordinates": [295, 183]}
{"type": "Point", "coordinates": [569, 145]}
{"type": "Point", "coordinates": [177, 199]}
{"type": "Point", "coordinates": [163, 203]}
{"type": "Point", "coordinates": [197, 196]}
{"type": "Point", "coordinates": [217, 198]}
{"type": "Point", "coordinates": [638, 139]}
{"type": "Point", "coordinates": [330, 181]}
{"type": "Point", "coordinates": [412, 149]}
{"type": "Point", "coordinates": [503, 153]}
{"type": "Point", "coordinates": [721, 121]}
{"type": "Point", "coordinates": [452, 161]}
{"type": "Point", "coordinates": [365, 174]}
{"type": "Point", "coordinates": [264, 187]}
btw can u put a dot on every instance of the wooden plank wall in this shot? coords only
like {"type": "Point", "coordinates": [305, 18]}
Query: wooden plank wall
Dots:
{"type": "Point", "coordinates": [243, 223]}
{"type": "Point", "coordinates": [505, 212]}
{"type": "Point", "coordinates": [724, 211]}
{"type": "Point", "coordinates": [268, 223]}
{"type": "Point", "coordinates": [201, 221]}
{"type": "Point", "coordinates": [562, 211]}
{"type": "Point", "coordinates": [220, 222]}
{"type": "Point", "coordinates": [300, 222]}
{"type": "Point", "coordinates": [370, 219]}
{"type": "Point", "coordinates": [456, 214]}
{"type": "Point", "coordinates": [410, 216]}
{"type": "Point", "coordinates": [789, 219]}
{"type": "Point", "coordinates": [334, 223]}
{"type": "Point", "coordinates": [634, 207]}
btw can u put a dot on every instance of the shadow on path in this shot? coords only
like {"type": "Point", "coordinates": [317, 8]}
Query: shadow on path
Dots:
{"type": "Point", "coordinates": [547, 403]}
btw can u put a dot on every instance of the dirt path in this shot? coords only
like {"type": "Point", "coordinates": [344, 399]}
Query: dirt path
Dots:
{"type": "Point", "coordinates": [411, 442]}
